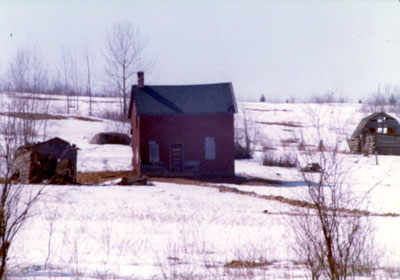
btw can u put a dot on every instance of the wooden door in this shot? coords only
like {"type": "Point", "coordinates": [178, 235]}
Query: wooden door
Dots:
{"type": "Point", "coordinates": [177, 157]}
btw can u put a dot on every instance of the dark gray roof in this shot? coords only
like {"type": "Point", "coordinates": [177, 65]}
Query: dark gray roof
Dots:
{"type": "Point", "coordinates": [56, 141]}
{"type": "Point", "coordinates": [184, 99]}
{"type": "Point", "coordinates": [371, 121]}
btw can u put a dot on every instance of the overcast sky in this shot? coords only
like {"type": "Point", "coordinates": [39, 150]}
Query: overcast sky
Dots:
{"type": "Point", "coordinates": [278, 48]}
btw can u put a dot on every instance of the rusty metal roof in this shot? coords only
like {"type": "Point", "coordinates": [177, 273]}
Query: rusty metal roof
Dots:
{"type": "Point", "coordinates": [184, 99]}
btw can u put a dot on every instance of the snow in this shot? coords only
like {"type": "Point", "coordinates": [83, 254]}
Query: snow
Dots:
{"type": "Point", "coordinates": [170, 230]}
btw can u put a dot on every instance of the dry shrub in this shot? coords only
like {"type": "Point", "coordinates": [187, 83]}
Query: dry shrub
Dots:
{"type": "Point", "coordinates": [290, 141]}
{"type": "Point", "coordinates": [246, 264]}
{"type": "Point", "coordinates": [113, 115]}
{"type": "Point", "coordinates": [328, 97]}
{"type": "Point", "coordinates": [33, 116]}
{"type": "Point", "coordinates": [241, 152]}
{"type": "Point", "coordinates": [286, 160]}
{"type": "Point", "coordinates": [288, 124]}
{"type": "Point", "coordinates": [247, 136]}
{"type": "Point", "coordinates": [334, 237]}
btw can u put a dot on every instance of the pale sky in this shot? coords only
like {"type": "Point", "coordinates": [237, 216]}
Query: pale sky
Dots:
{"type": "Point", "coordinates": [279, 48]}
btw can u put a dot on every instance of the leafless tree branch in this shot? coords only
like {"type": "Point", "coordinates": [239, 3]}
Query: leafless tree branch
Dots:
{"type": "Point", "coordinates": [124, 56]}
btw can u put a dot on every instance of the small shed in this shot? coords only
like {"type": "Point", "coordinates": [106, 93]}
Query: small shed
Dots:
{"type": "Point", "coordinates": [53, 162]}
{"type": "Point", "coordinates": [377, 133]}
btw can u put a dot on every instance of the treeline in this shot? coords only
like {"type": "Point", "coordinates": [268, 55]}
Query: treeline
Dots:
{"type": "Point", "coordinates": [79, 72]}
{"type": "Point", "coordinates": [386, 98]}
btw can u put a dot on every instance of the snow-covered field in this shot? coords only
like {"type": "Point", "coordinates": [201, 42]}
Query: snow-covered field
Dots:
{"type": "Point", "coordinates": [175, 231]}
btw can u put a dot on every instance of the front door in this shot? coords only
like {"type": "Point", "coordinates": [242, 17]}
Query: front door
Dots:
{"type": "Point", "coordinates": [176, 157]}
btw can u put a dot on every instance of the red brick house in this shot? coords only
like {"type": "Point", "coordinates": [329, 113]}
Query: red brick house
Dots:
{"type": "Point", "coordinates": [183, 130]}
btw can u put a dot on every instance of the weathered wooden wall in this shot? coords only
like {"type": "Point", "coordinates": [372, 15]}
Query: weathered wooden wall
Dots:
{"type": "Point", "coordinates": [354, 145]}
{"type": "Point", "coordinates": [21, 166]}
{"type": "Point", "coordinates": [387, 145]}
{"type": "Point", "coordinates": [381, 144]}
{"type": "Point", "coordinates": [369, 145]}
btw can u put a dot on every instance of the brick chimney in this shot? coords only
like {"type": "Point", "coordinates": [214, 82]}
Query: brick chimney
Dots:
{"type": "Point", "coordinates": [140, 79]}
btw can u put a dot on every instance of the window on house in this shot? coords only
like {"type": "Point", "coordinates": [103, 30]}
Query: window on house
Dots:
{"type": "Point", "coordinates": [382, 130]}
{"type": "Point", "coordinates": [210, 148]}
{"type": "Point", "coordinates": [154, 152]}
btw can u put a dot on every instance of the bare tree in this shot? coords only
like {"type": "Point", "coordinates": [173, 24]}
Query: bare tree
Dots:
{"type": "Point", "coordinates": [334, 238]}
{"type": "Point", "coordinates": [27, 72]}
{"type": "Point", "coordinates": [16, 203]}
{"type": "Point", "coordinates": [124, 57]}
{"type": "Point", "coordinates": [377, 102]}
{"type": "Point", "coordinates": [75, 78]}
{"type": "Point", "coordinates": [71, 82]}
{"type": "Point", "coordinates": [66, 76]}
{"type": "Point", "coordinates": [30, 117]}
{"type": "Point", "coordinates": [89, 59]}
{"type": "Point", "coordinates": [19, 71]}
{"type": "Point", "coordinates": [386, 100]}
{"type": "Point", "coordinates": [2, 81]}
{"type": "Point", "coordinates": [246, 136]}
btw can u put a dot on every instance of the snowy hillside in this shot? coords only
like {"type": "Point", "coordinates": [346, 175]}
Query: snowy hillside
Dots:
{"type": "Point", "coordinates": [181, 229]}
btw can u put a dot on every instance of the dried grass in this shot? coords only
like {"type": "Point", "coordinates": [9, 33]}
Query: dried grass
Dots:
{"type": "Point", "coordinates": [92, 178]}
{"type": "Point", "coordinates": [40, 116]}
{"type": "Point", "coordinates": [289, 124]}
{"type": "Point", "coordinates": [246, 264]}
{"type": "Point", "coordinates": [33, 116]}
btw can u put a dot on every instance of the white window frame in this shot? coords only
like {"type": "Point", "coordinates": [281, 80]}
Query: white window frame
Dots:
{"type": "Point", "coordinates": [154, 152]}
{"type": "Point", "coordinates": [210, 148]}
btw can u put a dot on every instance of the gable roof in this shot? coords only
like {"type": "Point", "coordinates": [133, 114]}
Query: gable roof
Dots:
{"type": "Point", "coordinates": [184, 99]}
{"type": "Point", "coordinates": [60, 143]}
{"type": "Point", "coordinates": [370, 121]}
